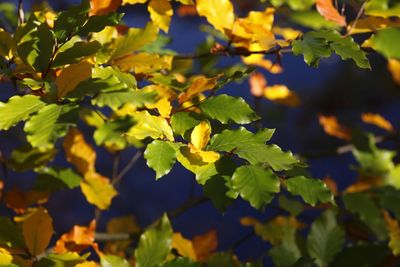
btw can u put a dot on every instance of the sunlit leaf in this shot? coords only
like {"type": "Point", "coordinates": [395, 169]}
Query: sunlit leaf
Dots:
{"type": "Point", "coordinates": [101, 7]}
{"type": "Point", "coordinates": [329, 12]}
{"type": "Point", "coordinates": [332, 127]}
{"type": "Point", "coordinates": [98, 190]}
{"type": "Point", "coordinates": [77, 239]}
{"type": "Point", "coordinates": [160, 13]}
{"type": "Point", "coordinates": [311, 190]}
{"type": "Point", "coordinates": [219, 13]}
{"type": "Point", "coordinates": [282, 95]}
{"type": "Point", "coordinates": [184, 246]}
{"type": "Point", "coordinates": [384, 42]}
{"type": "Point", "coordinates": [160, 157]}
{"type": "Point", "coordinates": [113, 261]}
{"type": "Point", "coordinates": [377, 120]}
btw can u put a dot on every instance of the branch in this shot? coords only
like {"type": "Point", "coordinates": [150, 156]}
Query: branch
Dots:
{"type": "Point", "coordinates": [127, 168]}
{"type": "Point", "coordinates": [21, 15]}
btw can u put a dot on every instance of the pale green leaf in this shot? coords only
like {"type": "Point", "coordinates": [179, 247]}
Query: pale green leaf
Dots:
{"type": "Point", "coordinates": [311, 190]}
{"type": "Point", "coordinates": [160, 157]}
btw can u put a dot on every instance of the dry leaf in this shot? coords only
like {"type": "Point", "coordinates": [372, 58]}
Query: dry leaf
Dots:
{"type": "Point", "coordinates": [332, 127]}
{"type": "Point", "coordinates": [19, 200]}
{"type": "Point", "coordinates": [103, 7]}
{"type": "Point", "coordinates": [186, 10]}
{"type": "Point", "coordinates": [329, 12]}
{"type": "Point", "coordinates": [377, 120]}
{"type": "Point", "coordinates": [76, 240]}
{"type": "Point", "coordinates": [205, 245]}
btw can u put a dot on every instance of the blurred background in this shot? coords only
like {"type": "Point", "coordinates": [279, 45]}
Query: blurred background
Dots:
{"type": "Point", "coordinates": [336, 88]}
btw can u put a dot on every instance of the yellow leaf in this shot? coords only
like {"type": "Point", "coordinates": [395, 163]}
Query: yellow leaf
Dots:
{"type": "Point", "coordinates": [123, 224]}
{"type": "Point", "coordinates": [98, 190]}
{"type": "Point", "coordinates": [201, 135]}
{"type": "Point", "coordinates": [77, 239]}
{"type": "Point", "coordinates": [332, 127]}
{"type": "Point", "coordinates": [144, 62]}
{"type": "Point", "coordinates": [257, 83]}
{"type": "Point", "coordinates": [148, 125]}
{"type": "Point", "coordinates": [394, 233]}
{"type": "Point", "coordinates": [329, 12]}
{"type": "Point", "coordinates": [107, 35]}
{"type": "Point", "coordinates": [371, 24]}
{"type": "Point", "coordinates": [103, 7]}
{"type": "Point", "coordinates": [87, 264]}
{"type": "Point", "coordinates": [78, 152]}
{"type": "Point", "coordinates": [37, 229]}
{"type": "Point", "coordinates": [377, 120]}
{"type": "Point", "coordinates": [199, 84]}
{"type": "Point", "coordinates": [189, 159]}
{"type": "Point", "coordinates": [282, 95]}
{"type": "Point", "coordinates": [5, 257]}
{"type": "Point", "coordinates": [205, 245]}
{"type": "Point", "coordinates": [71, 76]}
{"type": "Point", "coordinates": [163, 103]}
{"type": "Point", "coordinates": [286, 33]}
{"type": "Point", "coordinates": [133, 2]}
{"type": "Point", "coordinates": [161, 13]}
{"type": "Point", "coordinates": [260, 61]}
{"type": "Point", "coordinates": [183, 246]}
{"type": "Point", "coordinates": [394, 68]}
{"type": "Point", "coordinates": [91, 117]}
{"type": "Point", "coordinates": [218, 13]}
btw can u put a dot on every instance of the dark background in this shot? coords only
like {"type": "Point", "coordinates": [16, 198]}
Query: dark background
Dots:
{"type": "Point", "coordinates": [336, 87]}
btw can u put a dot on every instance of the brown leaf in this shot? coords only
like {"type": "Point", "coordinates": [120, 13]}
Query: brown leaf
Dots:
{"type": "Point", "coordinates": [71, 76]}
{"type": "Point", "coordinates": [186, 10]}
{"type": "Point", "coordinates": [329, 12]}
{"type": "Point", "coordinates": [19, 200]}
{"type": "Point", "coordinates": [37, 228]}
{"type": "Point", "coordinates": [78, 239]}
{"type": "Point", "coordinates": [377, 120]}
{"type": "Point", "coordinates": [332, 127]}
{"type": "Point", "coordinates": [103, 7]}
{"type": "Point", "coordinates": [205, 245]}
{"type": "Point", "coordinates": [257, 84]}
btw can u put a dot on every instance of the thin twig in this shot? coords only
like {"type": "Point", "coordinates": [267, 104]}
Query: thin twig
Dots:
{"type": "Point", "coordinates": [128, 167]}
{"type": "Point", "coordinates": [359, 14]}
{"type": "Point", "coordinates": [193, 202]}
{"type": "Point", "coordinates": [115, 166]}
{"type": "Point", "coordinates": [21, 15]}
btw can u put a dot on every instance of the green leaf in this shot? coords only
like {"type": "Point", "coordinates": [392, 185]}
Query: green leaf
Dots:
{"type": "Point", "coordinates": [385, 42]}
{"type": "Point", "coordinates": [7, 44]}
{"type": "Point", "coordinates": [154, 244]}
{"type": "Point", "coordinates": [54, 179]}
{"type": "Point", "coordinates": [160, 157]}
{"type": "Point", "coordinates": [68, 259]}
{"type": "Point", "coordinates": [312, 19]}
{"type": "Point", "coordinates": [255, 184]}
{"type": "Point", "coordinates": [75, 53]}
{"type": "Point", "coordinates": [111, 133]}
{"type": "Point", "coordinates": [362, 255]}
{"type": "Point", "coordinates": [37, 48]}
{"type": "Point", "coordinates": [69, 22]}
{"type": "Point", "coordinates": [292, 206]}
{"type": "Point", "coordinates": [369, 213]}
{"type": "Point", "coordinates": [326, 238]}
{"type": "Point", "coordinates": [98, 23]}
{"type": "Point", "coordinates": [27, 158]}
{"type": "Point", "coordinates": [383, 8]}
{"type": "Point", "coordinates": [311, 190]}
{"type": "Point", "coordinates": [182, 122]}
{"type": "Point", "coordinates": [315, 45]}
{"type": "Point", "coordinates": [116, 99]}
{"type": "Point", "coordinates": [389, 198]}
{"type": "Point", "coordinates": [225, 108]}
{"type": "Point", "coordinates": [49, 124]}
{"type": "Point", "coordinates": [10, 235]}
{"type": "Point", "coordinates": [113, 261]}
{"type": "Point", "coordinates": [18, 108]}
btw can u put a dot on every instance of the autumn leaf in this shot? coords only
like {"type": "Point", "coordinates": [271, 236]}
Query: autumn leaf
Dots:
{"type": "Point", "coordinates": [19, 200]}
{"type": "Point", "coordinates": [184, 246]}
{"type": "Point", "coordinates": [77, 239]}
{"type": "Point", "coordinates": [218, 13]}
{"type": "Point", "coordinates": [257, 84]}
{"type": "Point", "coordinates": [133, 2]}
{"type": "Point", "coordinates": [103, 7]}
{"type": "Point", "coordinates": [186, 10]}
{"type": "Point", "coordinates": [87, 264]}
{"type": "Point", "coordinates": [71, 76]}
{"type": "Point", "coordinates": [199, 138]}
{"type": "Point", "coordinates": [78, 152]}
{"type": "Point", "coordinates": [377, 120]}
{"type": "Point", "coordinates": [205, 245]}
{"type": "Point", "coordinates": [282, 95]}
{"type": "Point", "coordinates": [5, 257]}
{"type": "Point", "coordinates": [332, 127]}
{"type": "Point", "coordinates": [199, 84]}
{"type": "Point", "coordinates": [394, 68]}
{"type": "Point", "coordinates": [160, 13]}
{"type": "Point", "coordinates": [259, 61]}
{"type": "Point", "coordinates": [98, 190]}
{"type": "Point", "coordinates": [37, 228]}
{"type": "Point", "coordinates": [394, 233]}
{"type": "Point", "coordinates": [329, 12]}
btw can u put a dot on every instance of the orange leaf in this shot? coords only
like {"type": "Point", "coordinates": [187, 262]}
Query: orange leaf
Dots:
{"type": "Point", "coordinates": [257, 84]}
{"type": "Point", "coordinates": [332, 127]}
{"type": "Point", "coordinates": [37, 229]}
{"type": "Point", "coordinates": [184, 246]}
{"type": "Point", "coordinates": [282, 95]}
{"type": "Point", "coordinates": [394, 68]}
{"type": "Point", "coordinates": [19, 200]}
{"type": "Point", "coordinates": [76, 240]}
{"type": "Point", "coordinates": [331, 184]}
{"type": "Point", "coordinates": [186, 10]}
{"type": "Point", "coordinates": [377, 120]}
{"type": "Point", "coordinates": [71, 76]}
{"type": "Point", "coordinates": [205, 245]}
{"type": "Point", "coordinates": [103, 7]}
{"type": "Point", "coordinates": [78, 152]}
{"type": "Point", "coordinates": [199, 85]}
{"type": "Point", "coordinates": [329, 12]}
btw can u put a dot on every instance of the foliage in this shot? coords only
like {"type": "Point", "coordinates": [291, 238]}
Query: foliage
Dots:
{"type": "Point", "coordinates": [82, 70]}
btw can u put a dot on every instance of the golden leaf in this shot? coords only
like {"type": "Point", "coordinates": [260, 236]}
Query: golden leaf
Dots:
{"type": "Point", "coordinates": [144, 62]}
{"type": "Point", "coordinates": [199, 84]}
{"type": "Point", "coordinates": [286, 33]}
{"type": "Point", "coordinates": [201, 135]}
{"type": "Point", "coordinates": [150, 126]}
{"type": "Point", "coordinates": [77, 239]}
{"type": "Point", "coordinates": [205, 245]}
{"type": "Point", "coordinates": [377, 120]}
{"type": "Point", "coordinates": [257, 84]}
{"type": "Point", "coordinates": [184, 246]}
{"type": "Point", "coordinates": [394, 68]}
{"type": "Point", "coordinates": [371, 24]}
{"type": "Point", "coordinates": [218, 13]}
{"type": "Point", "coordinates": [332, 127]}
{"type": "Point", "coordinates": [394, 233]}
{"type": "Point", "coordinates": [87, 264]}
{"type": "Point", "coordinates": [37, 228]}
{"type": "Point", "coordinates": [103, 7]}
{"type": "Point", "coordinates": [282, 95]}
{"type": "Point", "coordinates": [329, 12]}
{"type": "Point", "coordinates": [5, 257]}
{"type": "Point", "coordinates": [98, 190]}
{"type": "Point", "coordinates": [133, 2]}
{"type": "Point", "coordinates": [160, 13]}
{"type": "Point", "coordinates": [71, 76]}
{"type": "Point", "coordinates": [163, 103]}
{"type": "Point", "coordinates": [78, 152]}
